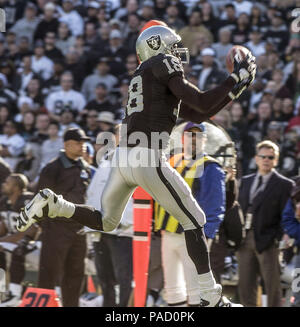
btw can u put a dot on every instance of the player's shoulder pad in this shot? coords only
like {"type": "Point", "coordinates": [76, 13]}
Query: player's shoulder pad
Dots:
{"type": "Point", "coordinates": [166, 66]}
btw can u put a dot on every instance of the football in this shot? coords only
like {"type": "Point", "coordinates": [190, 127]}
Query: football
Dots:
{"type": "Point", "coordinates": [235, 50]}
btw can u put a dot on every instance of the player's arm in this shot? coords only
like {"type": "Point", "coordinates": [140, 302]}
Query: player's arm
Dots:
{"type": "Point", "coordinates": [189, 114]}
{"type": "Point", "coordinates": [208, 103]}
{"type": "Point", "coordinates": [201, 102]}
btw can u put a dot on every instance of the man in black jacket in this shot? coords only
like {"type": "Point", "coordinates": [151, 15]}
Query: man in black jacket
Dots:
{"type": "Point", "coordinates": [262, 197]}
{"type": "Point", "coordinates": [63, 249]}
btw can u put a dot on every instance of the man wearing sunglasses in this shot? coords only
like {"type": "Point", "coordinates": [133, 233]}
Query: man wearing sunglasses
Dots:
{"type": "Point", "coordinates": [262, 196]}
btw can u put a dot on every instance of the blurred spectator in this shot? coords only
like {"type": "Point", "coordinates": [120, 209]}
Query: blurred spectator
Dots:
{"type": "Point", "coordinates": [12, 144]}
{"type": "Point", "coordinates": [3, 50]}
{"type": "Point", "coordinates": [4, 116]}
{"type": "Point", "coordinates": [30, 162]}
{"type": "Point", "coordinates": [24, 75]}
{"type": "Point", "coordinates": [53, 84]}
{"type": "Point", "coordinates": [116, 50]}
{"type": "Point", "coordinates": [7, 97]}
{"type": "Point", "coordinates": [256, 45]}
{"type": "Point", "coordinates": [27, 25]}
{"type": "Point", "coordinates": [242, 6]}
{"type": "Point", "coordinates": [287, 163]}
{"type": "Point", "coordinates": [65, 40]}
{"type": "Point", "coordinates": [209, 75]}
{"type": "Point", "coordinates": [106, 121]}
{"type": "Point", "coordinates": [277, 109]}
{"type": "Point", "coordinates": [90, 35]}
{"type": "Point", "coordinates": [278, 33]}
{"type": "Point", "coordinates": [101, 101]}
{"type": "Point", "coordinates": [201, 42]}
{"type": "Point", "coordinates": [41, 64]}
{"type": "Point", "coordinates": [160, 8]}
{"type": "Point", "coordinates": [282, 91]}
{"type": "Point", "coordinates": [172, 18]}
{"type": "Point", "coordinates": [290, 68]}
{"type": "Point", "coordinates": [92, 12]}
{"type": "Point", "coordinates": [33, 91]}
{"type": "Point", "coordinates": [287, 109]}
{"type": "Point", "coordinates": [293, 81]}
{"type": "Point", "coordinates": [51, 51]}
{"type": "Point", "coordinates": [49, 22]}
{"type": "Point", "coordinates": [129, 7]}
{"type": "Point", "coordinates": [102, 41]}
{"type": "Point", "coordinates": [263, 197]}
{"type": "Point", "coordinates": [262, 67]}
{"type": "Point", "coordinates": [101, 75]}
{"type": "Point", "coordinates": [132, 32]}
{"type": "Point", "coordinates": [258, 129]}
{"type": "Point", "coordinates": [76, 64]}
{"type": "Point", "coordinates": [228, 17]}
{"type": "Point", "coordinates": [257, 17]}
{"type": "Point", "coordinates": [146, 10]}
{"type": "Point", "coordinates": [71, 17]}
{"type": "Point", "coordinates": [238, 131]}
{"type": "Point", "coordinates": [41, 124]}
{"type": "Point", "coordinates": [131, 65]}
{"type": "Point", "coordinates": [223, 45]}
{"type": "Point", "coordinates": [27, 126]}
{"type": "Point", "coordinates": [241, 32]}
{"type": "Point", "coordinates": [92, 126]}
{"type": "Point", "coordinates": [67, 120]}
{"type": "Point", "coordinates": [25, 104]}
{"type": "Point", "coordinates": [50, 148]}
{"type": "Point", "coordinates": [195, 26]}
{"type": "Point", "coordinates": [24, 48]}
{"type": "Point", "coordinates": [58, 100]}
{"type": "Point", "coordinates": [210, 20]}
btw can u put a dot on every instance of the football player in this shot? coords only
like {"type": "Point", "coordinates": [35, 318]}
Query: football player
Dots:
{"type": "Point", "coordinates": [158, 93]}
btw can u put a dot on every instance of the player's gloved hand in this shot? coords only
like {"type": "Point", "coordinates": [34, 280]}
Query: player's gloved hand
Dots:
{"type": "Point", "coordinates": [238, 89]}
{"type": "Point", "coordinates": [245, 69]}
{"type": "Point", "coordinates": [244, 83]}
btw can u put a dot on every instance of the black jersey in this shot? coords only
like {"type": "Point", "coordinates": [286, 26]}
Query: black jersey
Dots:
{"type": "Point", "coordinates": [9, 212]}
{"type": "Point", "coordinates": [151, 106]}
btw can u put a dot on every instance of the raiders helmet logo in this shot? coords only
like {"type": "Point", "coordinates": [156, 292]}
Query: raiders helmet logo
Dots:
{"type": "Point", "coordinates": [154, 42]}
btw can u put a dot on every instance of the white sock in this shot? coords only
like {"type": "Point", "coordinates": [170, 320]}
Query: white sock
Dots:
{"type": "Point", "coordinates": [66, 208]}
{"type": "Point", "coordinates": [207, 281]}
{"type": "Point", "coordinates": [15, 289]}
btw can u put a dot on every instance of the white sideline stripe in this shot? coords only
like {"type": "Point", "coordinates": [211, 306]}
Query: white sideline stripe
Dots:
{"type": "Point", "coordinates": [141, 206]}
{"type": "Point", "coordinates": [140, 238]}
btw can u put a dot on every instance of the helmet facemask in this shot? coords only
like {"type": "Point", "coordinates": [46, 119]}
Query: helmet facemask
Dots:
{"type": "Point", "coordinates": [181, 53]}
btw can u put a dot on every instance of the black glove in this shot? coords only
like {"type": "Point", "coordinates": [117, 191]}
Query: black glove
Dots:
{"type": "Point", "coordinates": [244, 70]}
{"type": "Point", "coordinates": [244, 73]}
{"type": "Point", "coordinates": [238, 89]}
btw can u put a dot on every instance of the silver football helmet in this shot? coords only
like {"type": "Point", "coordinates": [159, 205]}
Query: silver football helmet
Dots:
{"type": "Point", "coordinates": [160, 39]}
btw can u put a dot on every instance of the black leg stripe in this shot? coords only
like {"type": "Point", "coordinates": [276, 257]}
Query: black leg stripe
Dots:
{"type": "Point", "coordinates": [45, 211]}
{"type": "Point", "coordinates": [176, 196]}
{"type": "Point", "coordinates": [43, 195]}
{"type": "Point", "coordinates": [176, 304]}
